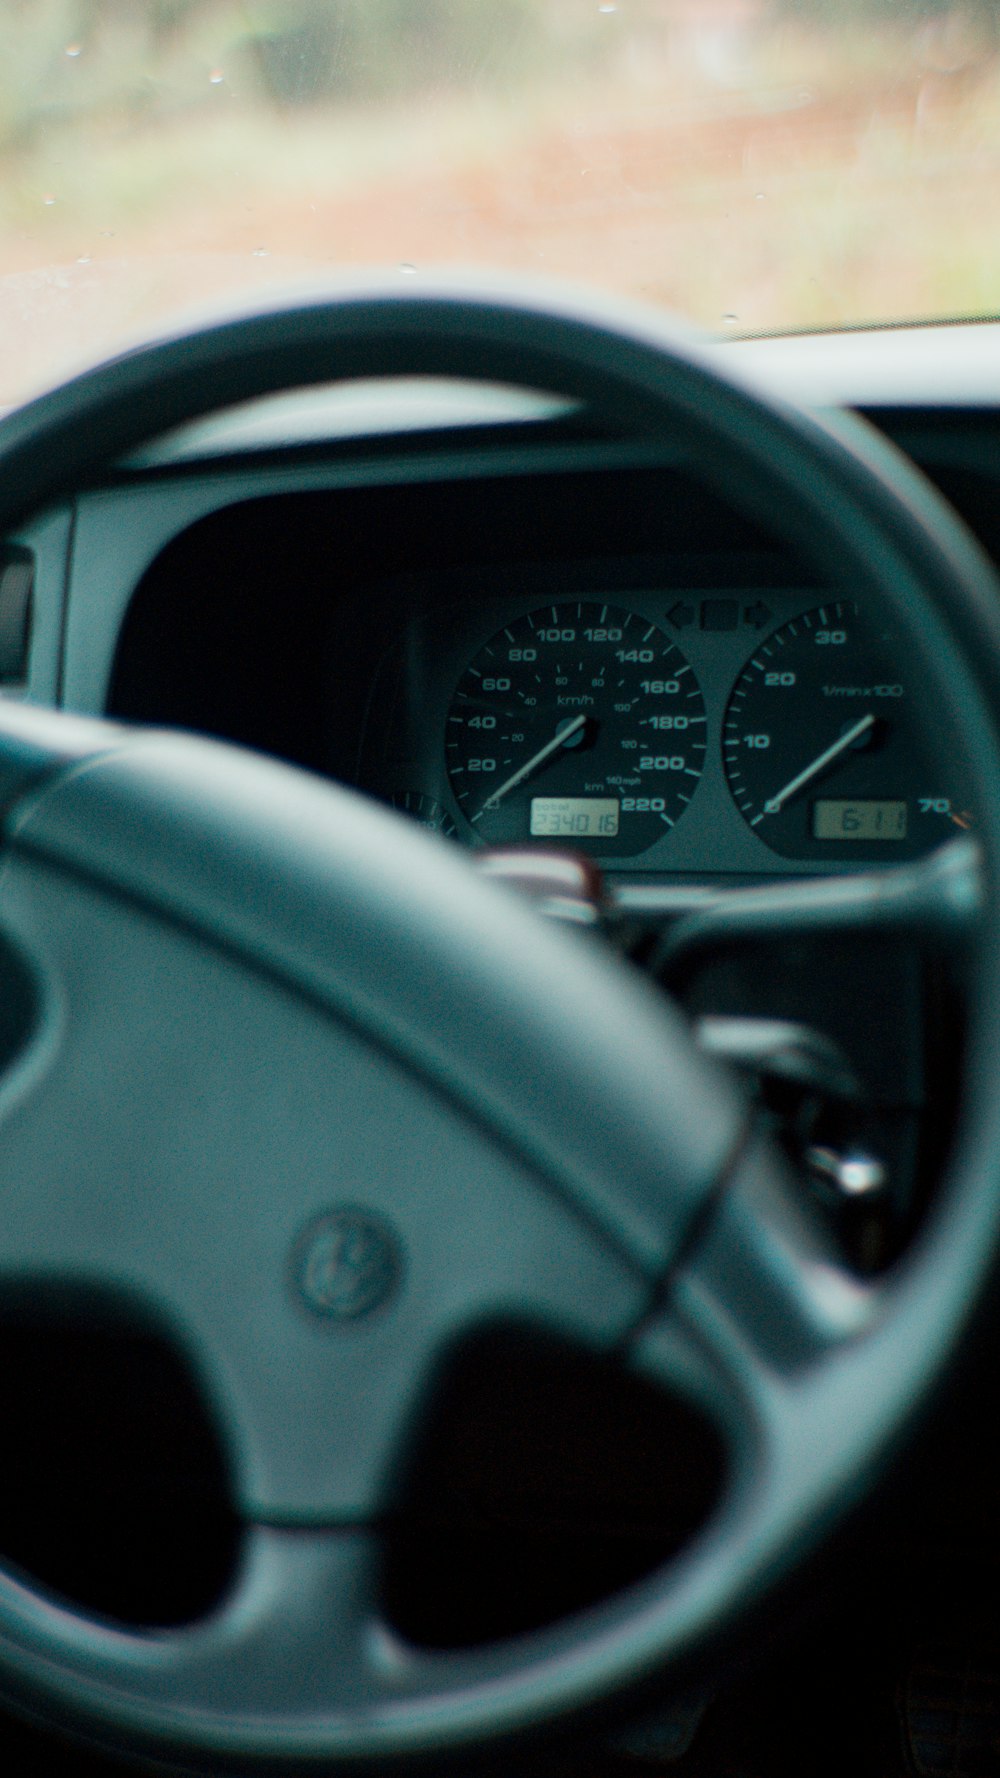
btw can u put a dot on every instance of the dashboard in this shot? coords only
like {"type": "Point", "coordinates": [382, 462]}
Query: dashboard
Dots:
{"type": "Point", "coordinates": [513, 628]}
{"type": "Point", "coordinates": [519, 629]}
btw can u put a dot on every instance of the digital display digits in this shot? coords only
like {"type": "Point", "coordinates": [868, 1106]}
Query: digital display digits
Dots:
{"type": "Point", "coordinates": [848, 819]}
{"type": "Point", "coordinates": [575, 817]}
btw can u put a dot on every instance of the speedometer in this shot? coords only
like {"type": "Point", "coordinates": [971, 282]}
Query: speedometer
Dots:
{"type": "Point", "coordinates": [579, 723]}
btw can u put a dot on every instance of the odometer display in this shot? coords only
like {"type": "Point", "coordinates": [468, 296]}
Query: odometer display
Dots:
{"type": "Point", "coordinates": [579, 723]}
{"type": "Point", "coordinates": [575, 817]}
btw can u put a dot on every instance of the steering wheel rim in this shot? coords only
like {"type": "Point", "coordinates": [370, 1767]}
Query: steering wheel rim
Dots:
{"type": "Point", "coordinates": [816, 1381]}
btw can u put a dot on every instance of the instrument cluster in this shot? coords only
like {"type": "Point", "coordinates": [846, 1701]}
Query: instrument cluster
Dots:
{"type": "Point", "coordinates": [652, 732]}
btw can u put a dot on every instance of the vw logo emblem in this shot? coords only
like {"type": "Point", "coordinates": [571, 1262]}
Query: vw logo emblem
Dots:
{"type": "Point", "coordinates": [346, 1264]}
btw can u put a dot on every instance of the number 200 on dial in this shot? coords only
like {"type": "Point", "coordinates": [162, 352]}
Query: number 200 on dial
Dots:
{"type": "Point", "coordinates": [580, 722]}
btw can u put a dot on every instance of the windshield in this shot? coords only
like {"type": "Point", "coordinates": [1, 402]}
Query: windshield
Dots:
{"type": "Point", "coordinates": [755, 165]}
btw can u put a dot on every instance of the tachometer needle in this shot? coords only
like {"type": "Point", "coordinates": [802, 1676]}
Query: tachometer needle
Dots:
{"type": "Point", "coordinates": [558, 740]}
{"type": "Point", "coordinates": [799, 782]}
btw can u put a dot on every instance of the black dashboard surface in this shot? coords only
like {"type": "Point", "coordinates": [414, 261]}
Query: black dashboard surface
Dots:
{"type": "Point", "coordinates": [333, 627]}
{"type": "Point", "coordinates": [336, 626]}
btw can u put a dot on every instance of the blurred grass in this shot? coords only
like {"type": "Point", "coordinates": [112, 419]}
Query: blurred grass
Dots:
{"type": "Point", "coordinates": [727, 158]}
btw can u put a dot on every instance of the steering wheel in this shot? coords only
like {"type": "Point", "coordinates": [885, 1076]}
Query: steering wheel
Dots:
{"type": "Point", "coordinates": [322, 1101]}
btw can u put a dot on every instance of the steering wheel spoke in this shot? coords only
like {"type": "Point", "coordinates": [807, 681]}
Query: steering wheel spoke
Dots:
{"type": "Point", "coordinates": [776, 1343]}
{"type": "Point", "coordinates": [299, 1635]}
{"type": "Point", "coordinates": [294, 1651]}
{"type": "Point", "coordinates": [758, 1310]}
{"type": "Point", "coordinates": [765, 1282]}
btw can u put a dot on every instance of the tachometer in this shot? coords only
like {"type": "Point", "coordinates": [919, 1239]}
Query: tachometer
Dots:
{"type": "Point", "coordinates": [826, 748]}
{"type": "Point", "coordinates": [581, 723]}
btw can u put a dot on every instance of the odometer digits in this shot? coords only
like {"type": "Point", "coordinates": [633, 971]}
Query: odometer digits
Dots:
{"type": "Point", "coordinates": [581, 723]}
{"type": "Point", "coordinates": [579, 817]}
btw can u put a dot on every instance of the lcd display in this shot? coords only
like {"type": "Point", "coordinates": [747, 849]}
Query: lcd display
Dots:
{"type": "Point", "coordinates": [575, 817]}
{"type": "Point", "coordinates": [836, 819]}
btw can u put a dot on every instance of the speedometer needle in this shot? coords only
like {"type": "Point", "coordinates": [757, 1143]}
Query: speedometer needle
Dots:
{"type": "Point", "coordinates": [537, 759]}
{"type": "Point", "coordinates": [846, 741]}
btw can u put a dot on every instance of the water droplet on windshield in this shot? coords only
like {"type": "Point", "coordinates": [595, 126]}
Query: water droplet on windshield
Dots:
{"type": "Point", "coordinates": [84, 259]}
{"type": "Point", "coordinates": [48, 198]}
{"type": "Point", "coordinates": [730, 320]}
{"type": "Point", "coordinates": [760, 196]}
{"type": "Point", "coordinates": [216, 77]}
{"type": "Point", "coordinates": [261, 252]}
{"type": "Point", "coordinates": [73, 50]}
{"type": "Point", "coordinates": [406, 268]}
{"type": "Point", "coordinates": [607, 6]}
